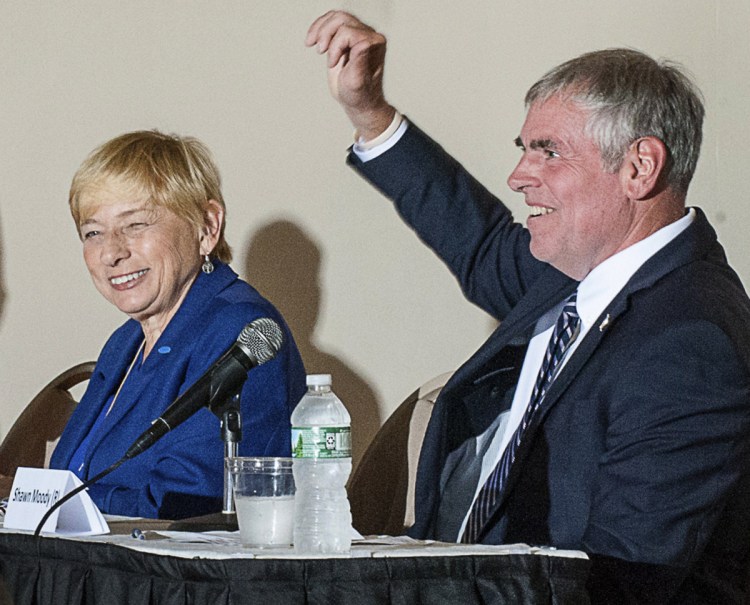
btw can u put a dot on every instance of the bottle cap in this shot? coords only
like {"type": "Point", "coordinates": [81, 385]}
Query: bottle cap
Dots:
{"type": "Point", "coordinates": [318, 380]}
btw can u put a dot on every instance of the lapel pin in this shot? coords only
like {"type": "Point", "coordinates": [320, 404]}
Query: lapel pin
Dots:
{"type": "Point", "coordinates": [605, 323]}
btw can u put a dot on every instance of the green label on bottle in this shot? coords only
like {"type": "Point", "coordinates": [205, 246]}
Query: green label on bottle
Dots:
{"type": "Point", "coordinates": [321, 442]}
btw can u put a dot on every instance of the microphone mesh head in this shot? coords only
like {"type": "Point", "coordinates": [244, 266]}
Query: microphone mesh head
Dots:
{"type": "Point", "coordinates": [261, 339]}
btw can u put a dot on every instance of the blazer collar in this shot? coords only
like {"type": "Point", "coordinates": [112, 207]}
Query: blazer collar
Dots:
{"type": "Point", "coordinates": [697, 241]}
{"type": "Point", "coordinates": [552, 287]}
{"type": "Point", "coordinates": [130, 336]}
{"type": "Point", "coordinates": [548, 291]}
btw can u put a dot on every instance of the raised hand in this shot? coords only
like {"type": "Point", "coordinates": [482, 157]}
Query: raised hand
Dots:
{"type": "Point", "coordinates": [356, 60]}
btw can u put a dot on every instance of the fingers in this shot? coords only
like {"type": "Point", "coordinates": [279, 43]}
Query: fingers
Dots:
{"type": "Point", "coordinates": [356, 58]}
{"type": "Point", "coordinates": [314, 32]}
{"type": "Point", "coordinates": [325, 26]}
{"type": "Point", "coordinates": [334, 74]}
{"type": "Point", "coordinates": [337, 32]}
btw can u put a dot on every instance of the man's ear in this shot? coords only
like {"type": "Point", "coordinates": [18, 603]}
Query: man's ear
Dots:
{"type": "Point", "coordinates": [643, 168]}
{"type": "Point", "coordinates": [214, 219]}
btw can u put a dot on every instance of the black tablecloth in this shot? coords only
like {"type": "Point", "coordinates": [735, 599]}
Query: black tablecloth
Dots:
{"type": "Point", "coordinates": [54, 571]}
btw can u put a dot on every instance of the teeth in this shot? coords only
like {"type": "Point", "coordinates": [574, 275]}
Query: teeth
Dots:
{"type": "Point", "coordinates": [116, 281]}
{"type": "Point", "coordinates": [540, 210]}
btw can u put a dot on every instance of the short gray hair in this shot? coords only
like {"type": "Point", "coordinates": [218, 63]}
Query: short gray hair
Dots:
{"type": "Point", "coordinates": [630, 95]}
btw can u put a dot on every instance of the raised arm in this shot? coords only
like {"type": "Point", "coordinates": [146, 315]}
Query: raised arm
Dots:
{"type": "Point", "coordinates": [466, 226]}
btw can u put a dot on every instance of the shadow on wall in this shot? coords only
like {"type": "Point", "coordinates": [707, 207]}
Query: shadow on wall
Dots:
{"type": "Point", "coordinates": [3, 290]}
{"type": "Point", "coordinates": [283, 264]}
{"type": "Point", "coordinates": [2, 275]}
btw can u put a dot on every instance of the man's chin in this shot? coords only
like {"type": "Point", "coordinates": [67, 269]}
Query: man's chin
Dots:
{"type": "Point", "coordinates": [538, 250]}
{"type": "Point", "coordinates": [568, 268]}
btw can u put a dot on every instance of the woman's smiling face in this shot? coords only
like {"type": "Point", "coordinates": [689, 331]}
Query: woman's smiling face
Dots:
{"type": "Point", "coordinates": [142, 258]}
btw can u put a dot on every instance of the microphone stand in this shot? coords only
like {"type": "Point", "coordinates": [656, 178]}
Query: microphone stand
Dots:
{"type": "Point", "coordinates": [231, 435]}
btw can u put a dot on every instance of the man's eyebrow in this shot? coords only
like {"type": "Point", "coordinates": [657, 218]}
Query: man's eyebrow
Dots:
{"type": "Point", "coordinates": [536, 144]}
{"type": "Point", "coordinates": [543, 144]}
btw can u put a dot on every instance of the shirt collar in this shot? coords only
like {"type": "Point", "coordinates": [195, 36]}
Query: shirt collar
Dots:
{"type": "Point", "coordinates": [603, 283]}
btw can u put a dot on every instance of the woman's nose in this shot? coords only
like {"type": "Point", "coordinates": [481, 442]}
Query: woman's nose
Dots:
{"type": "Point", "coordinates": [115, 248]}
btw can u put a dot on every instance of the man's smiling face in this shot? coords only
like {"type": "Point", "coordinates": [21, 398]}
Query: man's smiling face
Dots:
{"type": "Point", "coordinates": [580, 214]}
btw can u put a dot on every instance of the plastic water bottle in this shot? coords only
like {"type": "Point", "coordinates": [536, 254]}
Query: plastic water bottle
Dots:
{"type": "Point", "coordinates": [322, 452]}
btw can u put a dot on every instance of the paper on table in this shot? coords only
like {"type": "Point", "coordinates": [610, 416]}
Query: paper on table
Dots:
{"type": "Point", "coordinates": [404, 546]}
{"type": "Point", "coordinates": [35, 490]}
{"type": "Point", "coordinates": [189, 537]}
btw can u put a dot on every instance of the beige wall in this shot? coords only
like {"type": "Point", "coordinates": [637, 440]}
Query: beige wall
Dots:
{"type": "Point", "coordinates": [367, 301]}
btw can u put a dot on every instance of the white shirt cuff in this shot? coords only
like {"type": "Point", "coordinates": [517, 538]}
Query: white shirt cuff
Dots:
{"type": "Point", "coordinates": [369, 150]}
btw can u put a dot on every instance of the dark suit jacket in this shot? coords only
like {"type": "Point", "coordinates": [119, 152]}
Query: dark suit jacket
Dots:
{"type": "Point", "coordinates": [182, 474]}
{"type": "Point", "coordinates": [638, 456]}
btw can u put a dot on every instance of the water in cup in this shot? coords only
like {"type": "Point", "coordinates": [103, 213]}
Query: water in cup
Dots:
{"type": "Point", "coordinates": [264, 500]}
{"type": "Point", "coordinates": [265, 521]}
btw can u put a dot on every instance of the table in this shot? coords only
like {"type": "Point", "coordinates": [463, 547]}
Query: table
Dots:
{"type": "Point", "coordinates": [120, 569]}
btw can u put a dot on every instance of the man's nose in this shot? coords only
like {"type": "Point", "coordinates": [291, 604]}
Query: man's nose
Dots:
{"type": "Point", "coordinates": [523, 175]}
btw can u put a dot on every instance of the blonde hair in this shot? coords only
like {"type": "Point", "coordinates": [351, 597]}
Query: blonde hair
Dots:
{"type": "Point", "coordinates": [177, 173]}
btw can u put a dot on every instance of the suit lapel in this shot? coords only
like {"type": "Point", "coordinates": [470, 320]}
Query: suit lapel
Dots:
{"type": "Point", "coordinates": [694, 242]}
{"type": "Point", "coordinates": [558, 388]}
{"type": "Point", "coordinates": [104, 381]}
{"type": "Point", "coordinates": [516, 328]}
{"type": "Point", "coordinates": [503, 350]}
{"type": "Point", "coordinates": [129, 393]}
{"type": "Point", "coordinates": [203, 290]}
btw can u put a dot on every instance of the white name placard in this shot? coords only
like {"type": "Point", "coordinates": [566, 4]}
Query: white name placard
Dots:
{"type": "Point", "coordinates": [36, 490]}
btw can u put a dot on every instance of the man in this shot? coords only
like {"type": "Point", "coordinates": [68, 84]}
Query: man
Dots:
{"type": "Point", "coordinates": [610, 411]}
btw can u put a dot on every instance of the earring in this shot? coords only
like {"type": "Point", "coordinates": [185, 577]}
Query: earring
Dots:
{"type": "Point", "coordinates": [208, 266]}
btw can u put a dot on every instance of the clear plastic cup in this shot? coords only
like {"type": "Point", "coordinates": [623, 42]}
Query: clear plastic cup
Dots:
{"type": "Point", "coordinates": [263, 500]}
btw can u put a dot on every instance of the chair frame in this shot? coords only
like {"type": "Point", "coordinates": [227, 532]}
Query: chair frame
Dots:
{"type": "Point", "coordinates": [42, 421]}
{"type": "Point", "coordinates": [381, 489]}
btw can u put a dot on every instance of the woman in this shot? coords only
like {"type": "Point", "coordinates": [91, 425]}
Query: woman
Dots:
{"type": "Point", "coordinates": [150, 214]}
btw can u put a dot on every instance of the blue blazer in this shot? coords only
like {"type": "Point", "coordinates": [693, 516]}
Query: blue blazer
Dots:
{"type": "Point", "coordinates": [640, 454]}
{"type": "Point", "coordinates": [182, 474]}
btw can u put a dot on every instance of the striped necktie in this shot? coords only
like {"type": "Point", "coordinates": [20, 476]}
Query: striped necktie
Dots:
{"type": "Point", "coordinates": [566, 330]}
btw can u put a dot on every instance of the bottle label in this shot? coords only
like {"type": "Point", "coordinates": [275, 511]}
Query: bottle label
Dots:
{"type": "Point", "coordinates": [321, 442]}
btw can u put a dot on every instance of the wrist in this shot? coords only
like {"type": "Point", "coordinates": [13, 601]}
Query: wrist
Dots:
{"type": "Point", "coordinates": [364, 145]}
{"type": "Point", "coordinates": [372, 124]}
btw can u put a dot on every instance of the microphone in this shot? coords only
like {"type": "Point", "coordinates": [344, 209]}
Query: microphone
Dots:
{"type": "Point", "coordinates": [258, 343]}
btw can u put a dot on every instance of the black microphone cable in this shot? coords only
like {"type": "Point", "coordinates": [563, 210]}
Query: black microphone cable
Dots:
{"type": "Point", "coordinates": [74, 492]}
